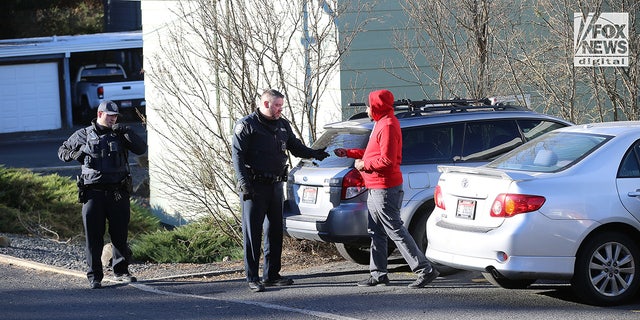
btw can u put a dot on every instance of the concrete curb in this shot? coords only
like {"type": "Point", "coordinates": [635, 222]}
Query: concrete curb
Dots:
{"type": "Point", "coordinates": [39, 266]}
{"type": "Point", "coordinates": [198, 274]}
{"type": "Point", "coordinates": [44, 267]}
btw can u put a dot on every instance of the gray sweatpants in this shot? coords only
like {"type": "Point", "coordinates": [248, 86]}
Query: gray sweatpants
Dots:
{"type": "Point", "coordinates": [384, 221]}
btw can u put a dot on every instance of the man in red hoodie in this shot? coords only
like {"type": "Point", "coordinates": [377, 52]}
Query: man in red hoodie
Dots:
{"type": "Point", "coordinates": [379, 164]}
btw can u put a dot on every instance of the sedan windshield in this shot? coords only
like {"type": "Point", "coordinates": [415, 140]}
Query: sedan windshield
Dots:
{"type": "Point", "coordinates": [551, 152]}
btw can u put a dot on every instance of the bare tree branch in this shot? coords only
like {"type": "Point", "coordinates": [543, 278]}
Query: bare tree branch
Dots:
{"type": "Point", "coordinates": [214, 60]}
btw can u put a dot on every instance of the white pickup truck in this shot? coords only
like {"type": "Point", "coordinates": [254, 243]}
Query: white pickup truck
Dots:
{"type": "Point", "coordinates": [98, 82]}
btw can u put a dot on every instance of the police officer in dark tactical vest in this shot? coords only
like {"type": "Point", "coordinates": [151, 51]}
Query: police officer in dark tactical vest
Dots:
{"type": "Point", "coordinates": [104, 187]}
{"type": "Point", "coordinates": [260, 144]}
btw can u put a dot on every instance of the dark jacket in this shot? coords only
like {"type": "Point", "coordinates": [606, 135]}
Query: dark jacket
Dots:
{"type": "Point", "coordinates": [260, 145]}
{"type": "Point", "coordinates": [102, 152]}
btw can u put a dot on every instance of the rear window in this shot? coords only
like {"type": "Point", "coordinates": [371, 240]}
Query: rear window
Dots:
{"type": "Point", "coordinates": [105, 71]}
{"type": "Point", "coordinates": [337, 138]}
{"type": "Point", "coordinates": [105, 74]}
{"type": "Point", "coordinates": [552, 152]}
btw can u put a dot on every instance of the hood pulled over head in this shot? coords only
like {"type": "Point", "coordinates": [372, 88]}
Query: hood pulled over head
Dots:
{"type": "Point", "coordinates": [380, 103]}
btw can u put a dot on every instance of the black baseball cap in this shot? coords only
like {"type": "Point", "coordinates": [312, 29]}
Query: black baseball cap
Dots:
{"type": "Point", "coordinates": [109, 107]}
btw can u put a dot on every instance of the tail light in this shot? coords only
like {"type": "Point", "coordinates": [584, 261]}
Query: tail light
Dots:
{"type": "Point", "coordinates": [508, 205]}
{"type": "Point", "coordinates": [352, 185]}
{"type": "Point", "coordinates": [437, 198]}
{"type": "Point", "coordinates": [100, 92]}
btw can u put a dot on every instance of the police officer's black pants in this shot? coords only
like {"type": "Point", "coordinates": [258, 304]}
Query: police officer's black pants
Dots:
{"type": "Point", "coordinates": [263, 213]}
{"type": "Point", "coordinates": [103, 205]}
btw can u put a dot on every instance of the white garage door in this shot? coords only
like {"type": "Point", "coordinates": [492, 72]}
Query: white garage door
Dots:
{"type": "Point", "coordinates": [29, 97]}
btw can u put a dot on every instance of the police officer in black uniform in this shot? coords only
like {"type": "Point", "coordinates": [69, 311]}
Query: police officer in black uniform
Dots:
{"type": "Point", "coordinates": [104, 187]}
{"type": "Point", "coordinates": [260, 142]}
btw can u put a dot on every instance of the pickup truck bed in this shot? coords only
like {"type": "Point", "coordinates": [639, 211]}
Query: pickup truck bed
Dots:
{"type": "Point", "coordinates": [96, 83]}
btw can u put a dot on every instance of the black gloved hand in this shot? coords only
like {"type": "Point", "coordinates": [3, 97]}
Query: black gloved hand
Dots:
{"type": "Point", "coordinates": [120, 128]}
{"type": "Point", "coordinates": [320, 154]}
{"type": "Point", "coordinates": [78, 155]}
{"type": "Point", "coordinates": [246, 192]}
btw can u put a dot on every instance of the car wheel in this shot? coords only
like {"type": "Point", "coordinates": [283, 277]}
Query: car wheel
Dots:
{"type": "Point", "coordinates": [419, 233]}
{"type": "Point", "coordinates": [85, 111]}
{"type": "Point", "coordinates": [419, 228]}
{"type": "Point", "coordinates": [358, 253]}
{"type": "Point", "coordinates": [354, 253]}
{"type": "Point", "coordinates": [507, 283]}
{"type": "Point", "coordinates": [607, 270]}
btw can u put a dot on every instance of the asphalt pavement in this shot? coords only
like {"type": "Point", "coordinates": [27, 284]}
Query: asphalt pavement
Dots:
{"type": "Point", "coordinates": [33, 291]}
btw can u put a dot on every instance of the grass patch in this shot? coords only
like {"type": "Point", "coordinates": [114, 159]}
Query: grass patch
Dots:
{"type": "Point", "coordinates": [196, 242]}
{"type": "Point", "coordinates": [42, 205]}
{"type": "Point", "coordinates": [47, 206]}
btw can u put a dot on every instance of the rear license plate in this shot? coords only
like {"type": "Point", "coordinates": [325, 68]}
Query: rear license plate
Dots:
{"type": "Point", "coordinates": [309, 195]}
{"type": "Point", "coordinates": [466, 209]}
{"type": "Point", "coordinates": [125, 104]}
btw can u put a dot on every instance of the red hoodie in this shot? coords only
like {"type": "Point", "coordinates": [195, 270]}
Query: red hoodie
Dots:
{"type": "Point", "coordinates": [383, 154]}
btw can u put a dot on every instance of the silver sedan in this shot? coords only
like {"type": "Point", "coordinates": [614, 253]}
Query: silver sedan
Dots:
{"type": "Point", "coordinates": [563, 206]}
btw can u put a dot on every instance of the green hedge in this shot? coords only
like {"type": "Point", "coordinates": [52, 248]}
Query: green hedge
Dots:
{"type": "Point", "coordinates": [197, 242]}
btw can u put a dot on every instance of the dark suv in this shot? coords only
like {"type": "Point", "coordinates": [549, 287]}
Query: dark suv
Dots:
{"type": "Point", "coordinates": [326, 200]}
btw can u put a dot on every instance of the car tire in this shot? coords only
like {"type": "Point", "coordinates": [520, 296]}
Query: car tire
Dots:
{"type": "Point", "coordinates": [359, 254]}
{"type": "Point", "coordinates": [507, 283]}
{"type": "Point", "coordinates": [85, 112]}
{"type": "Point", "coordinates": [607, 270]}
{"type": "Point", "coordinates": [419, 228]}
{"type": "Point", "coordinates": [354, 253]}
{"type": "Point", "coordinates": [76, 115]}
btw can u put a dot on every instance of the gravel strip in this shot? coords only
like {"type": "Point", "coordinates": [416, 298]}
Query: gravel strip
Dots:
{"type": "Point", "coordinates": [72, 256]}
{"type": "Point", "coordinates": [50, 252]}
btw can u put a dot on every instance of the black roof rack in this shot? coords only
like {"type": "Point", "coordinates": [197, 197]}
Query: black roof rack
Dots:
{"type": "Point", "coordinates": [410, 108]}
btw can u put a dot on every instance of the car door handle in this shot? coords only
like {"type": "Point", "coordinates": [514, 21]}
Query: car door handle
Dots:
{"type": "Point", "coordinates": [634, 194]}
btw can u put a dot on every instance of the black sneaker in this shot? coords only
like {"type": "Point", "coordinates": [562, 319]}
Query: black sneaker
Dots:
{"type": "Point", "coordinates": [373, 282]}
{"type": "Point", "coordinates": [424, 279]}
{"type": "Point", "coordinates": [256, 286]}
{"type": "Point", "coordinates": [125, 277]}
{"type": "Point", "coordinates": [95, 285]}
{"type": "Point", "coordinates": [282, 281]}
